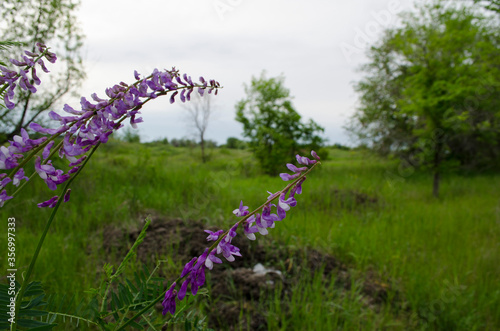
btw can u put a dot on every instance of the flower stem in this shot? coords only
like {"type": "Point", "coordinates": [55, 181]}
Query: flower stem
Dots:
{"type": "Point", "coordinates": [20, 294]}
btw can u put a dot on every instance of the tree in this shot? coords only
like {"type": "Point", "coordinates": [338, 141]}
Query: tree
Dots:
{"type": "Point", "coordinates": [129, 135]}
{"type": "Point", "coordinates": [53, 23]}
{"type": "Point", "coordinates": [493, 5]}
{"type": "Point", "coordinates": [273, 125]}
{"type": "Point", "coordinates": [199, 112]}
{"type": "Point", "coordinates": [431, 91]}
{"type": "Point", "coordinates": [235, 143]}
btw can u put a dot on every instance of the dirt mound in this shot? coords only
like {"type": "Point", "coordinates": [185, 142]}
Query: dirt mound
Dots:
{"type": "Point", "coordinates": [236, 286]}
{"type": "Point", "coordinates": [349, 199]}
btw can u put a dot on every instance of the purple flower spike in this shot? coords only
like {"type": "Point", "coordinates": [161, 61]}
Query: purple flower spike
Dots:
{"type": "Point", "coordinates": [169, 301]}
{"type": "Point", "coordinates": [242, 211]}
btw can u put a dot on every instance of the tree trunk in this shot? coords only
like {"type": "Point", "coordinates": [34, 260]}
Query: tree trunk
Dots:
{"type": "Point", "coordinates": [203, 159]}
{"type": "Point", "coordinates": [437, 162]}
{"type": "Point", "coordinates": [435, 187]}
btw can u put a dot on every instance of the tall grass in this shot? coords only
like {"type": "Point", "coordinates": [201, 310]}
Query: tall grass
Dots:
{"type": "Point", "coordinates": [441, 256]}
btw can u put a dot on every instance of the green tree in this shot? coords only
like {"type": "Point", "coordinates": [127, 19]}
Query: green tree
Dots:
{"type": "Point", "coordinates": [52, 22]}
{"type": "Point", "coordinates": [272, 124]}
{"type": "Point", "coordinates": [431, 91]}
{"type": "Point", "coordinates": [493, 5]}
{"type": "Point", "coordinates": [235, 143]}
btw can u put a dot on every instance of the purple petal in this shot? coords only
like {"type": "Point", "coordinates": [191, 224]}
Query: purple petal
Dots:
{"type": "Point", "coordinates": [137, 75]}
{"type": "Point", "coordinates": [172, 98]}
{"type": "Point", "coordinates": [49, 203]}
{"type": "Point", "coordinates": [183, 290]}
{"type": "Point", "coordinates": [313, 153]}
{"type": "Point", "coordinates": [294, 168]}
{"type": "Point", "coordinates": [46, 150]}
{"type": "Point", "coordinates": [67, 195]}
{"type": "Point", "coordinates": [188, 267]}
{"type": "Point", "coordinates": [287, 177]}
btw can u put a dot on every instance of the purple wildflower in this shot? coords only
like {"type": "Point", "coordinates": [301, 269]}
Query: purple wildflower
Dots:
{"type": "Point", "coordinates": [211, 259]}
{"type": "Point", "coordinates": [231, 233]}
{"type": "Point", "coordinates": [8, 160]}
{"type": "Point", "coordinates": [195, 269]}
{"type": "Point", "coordinates": [304, 160]}
{"type": "Point", "coordinates": [242, 211]}
{"type": "Point", "coordinates": [5, 181]}
{"type": "Point", "coordinates": [18, 177]}
{"type": "Point", "coordinates": [196, 275]}
{"type": "Point", "coordinates": [249, 229]}
{"type": "Point", "coordinates": [228, 250]}
{"type": "Point", "coordinates": [4, 197]}
{"type": "Point", "coordinates": [169, 301]}
{"type": "Point", "coordinates": [268, 217]}
{"type": "Point", "coordinates": [284, 205]}
{"type": "Point", "coordinates": [49, 174]}
{"type": "Point", "coordinates": [262, 226]}
{"type": "Point", "coordinates": [213, 235]}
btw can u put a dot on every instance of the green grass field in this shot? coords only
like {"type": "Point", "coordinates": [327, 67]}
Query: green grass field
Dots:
{"type": "Point", "coordinates": [439, 257]}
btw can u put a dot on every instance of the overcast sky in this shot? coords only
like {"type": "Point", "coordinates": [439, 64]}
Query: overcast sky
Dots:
{"type": "Point", "coordinates": [317, 45]}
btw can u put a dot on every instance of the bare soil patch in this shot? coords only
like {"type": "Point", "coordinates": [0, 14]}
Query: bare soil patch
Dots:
{"type": "Point", "coordinates": [251, 279]}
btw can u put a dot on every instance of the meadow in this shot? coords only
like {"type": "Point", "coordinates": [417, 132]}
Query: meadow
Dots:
{"type": "Point", "coordinates": [436, 261]}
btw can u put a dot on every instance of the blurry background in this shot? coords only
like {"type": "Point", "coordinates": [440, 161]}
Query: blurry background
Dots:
{"type": "Point", "coordinates": [317, 45]}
